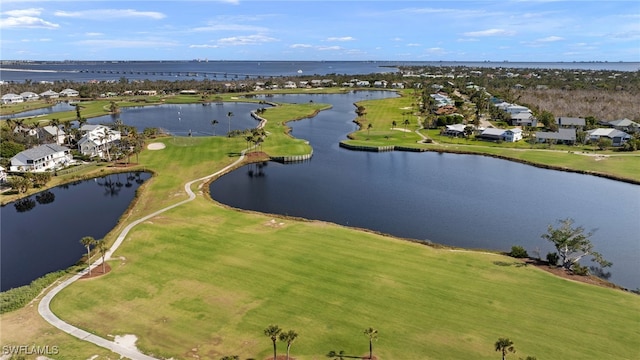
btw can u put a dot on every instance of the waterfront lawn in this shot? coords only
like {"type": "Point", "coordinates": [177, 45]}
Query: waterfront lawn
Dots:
{"type": "Point", "coordinates": [209, 278]}
{"type": "Point", "coordinates": [205, 277]}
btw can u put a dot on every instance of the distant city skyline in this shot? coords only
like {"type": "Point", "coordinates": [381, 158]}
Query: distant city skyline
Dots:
{"type": "Point", "coordinates": [541, 31]}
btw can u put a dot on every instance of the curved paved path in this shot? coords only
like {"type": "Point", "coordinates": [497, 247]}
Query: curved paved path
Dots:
{"type": "Point", "coordinates": [44, 305]}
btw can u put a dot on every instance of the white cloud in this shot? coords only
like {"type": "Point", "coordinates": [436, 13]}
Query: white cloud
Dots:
{"type": "Point", "coordinates": [329, 48]}
{"type": "Point", "coordinates": [204, 46]}
{"type": "Point", "coordinates": [246, 40]}
{"type": "Point", "coordinates": [107, 14]}
{"type": "Point", "coordinates": [490, 32]}
{"type": "Point", "coordinates": [23, 12]}
{"type": "Point", "coordinates": [413, 44]}
{"type": "Point", "coordinates": [550, 39]}
{"type": "Point", "coordinates": [26, 22]}
{"type": "Point", "coordinates": [229, 27]}
{"type": "Point", "coordinates": [343, 38]}
{"type": "Point", "coordinates": [119, 43]}
{"type": "Point", "coordinates": [299, 46]}
{"type": "Point", "coordinates": [93, 34]}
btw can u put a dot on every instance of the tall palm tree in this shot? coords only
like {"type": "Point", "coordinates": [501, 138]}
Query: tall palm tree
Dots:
{"type": "Point", "coordinates": [88, 241]}
{"type": "Point", "coordinates": [102, 248]}
{"type": "Point", "coordinates": [56, 123]}
{"type": "Point", "coordinates": [214, 122]}
{"type": "Point", "coordinates": [272, 332]}
{"type": "Point", "coordinates": [369, 128]}
{"type": "Point", "coordinates": [504, 345]}
{"type": "Point", "coordinates": [289, 337]}
{"type": "Point", "coordinates": [372, 334]}
{"type": "Point", "coordinates": [229, 115]}
{"type": "Point", "coordinates": [393, 124]}
{"type": "Point", "coordinates": [405, 123]}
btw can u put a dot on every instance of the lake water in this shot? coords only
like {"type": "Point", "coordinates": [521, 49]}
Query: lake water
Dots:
{"type": "Point", "coordinates": [459, 200]}
{"type": "Point", "coordinates": [58, 107]}
{"type": "Point", "coordinates": [182, 119]}
{"type": "Point", "coordinates": [41, 234]}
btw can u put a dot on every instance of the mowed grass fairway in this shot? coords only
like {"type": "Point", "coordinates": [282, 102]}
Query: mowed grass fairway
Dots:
{"type": "Point", "coordinates": [203, 279]}
{"type": "Point", "coordinates": [209, 278]}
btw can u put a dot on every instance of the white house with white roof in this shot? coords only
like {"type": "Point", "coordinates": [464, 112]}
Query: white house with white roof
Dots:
{"type": "Point", "coordinates": [69, 93]}
{"type": "Point", "coordinates": [29, 96]}
{"type": "Point", "coordinates": [12, 98]}
{"type": "Point", "coordinates": [617, 137]}
{"type": "Point", "coordinates": [96, 140]}
{"type": "Point", "coordinates": [41, 158]}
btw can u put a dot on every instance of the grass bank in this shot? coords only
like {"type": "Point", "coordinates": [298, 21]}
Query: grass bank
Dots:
{"type": "Point", "coordinates": [205, 280]}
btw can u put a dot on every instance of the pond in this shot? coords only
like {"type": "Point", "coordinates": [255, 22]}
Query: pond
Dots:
{"type": "Point", "coordinates": [185, 119]}
{"type": "Point", "coordinates": [459, 200]}
{"type": "Point", "coordinates": [58, 107]}
{"type": "Point", "coordinates": [41, 233]}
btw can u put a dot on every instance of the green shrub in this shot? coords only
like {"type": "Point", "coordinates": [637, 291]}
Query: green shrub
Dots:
{"type": "Point", "coordinates": [579, 269]}
{"type": "Point", "coordinates": [16, 298]}
{"type": "Point", "coordinates": [552, 259]}
{"type": "Point", "coordinates": [518, 252]}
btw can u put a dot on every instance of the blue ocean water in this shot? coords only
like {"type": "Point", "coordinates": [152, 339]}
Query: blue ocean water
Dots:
{"type": "Point", "coordinates": [85, 71]}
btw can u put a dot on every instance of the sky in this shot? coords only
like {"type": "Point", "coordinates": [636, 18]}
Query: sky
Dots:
{"type": "Point", "coordinates": [540, 30]}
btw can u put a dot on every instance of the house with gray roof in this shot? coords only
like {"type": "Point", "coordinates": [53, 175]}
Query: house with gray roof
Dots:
{"type": "Point", "coordinates": [41, 158]}
{"type": "Point", "coordinates": [562, 136]}
{"type": "Point", "coordinates": [624, 125]}
{"type": "Point", "coordinates": [12, 98]}
{"type": "Point", "coordinates": [97, 139]}
{"type": "Point", "coordinates": [564, 121]}
{"type": "Point", "coordinates": [617, 137]}
{"type": "Point", "coordinates": [29, 96]}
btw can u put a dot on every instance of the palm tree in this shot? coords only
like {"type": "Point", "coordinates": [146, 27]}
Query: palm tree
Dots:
{"type": "Point", "coordinates": [289, 337]}
{"type": "Point", "coordinates": [229, 115]}
{"type": "Point", "coordinates": [369, 128]}
{"type": "Point", "coordinates": [88, 241]}
{"type": "Point", "coordinates": [372, 334]}
{"type": "Point", "coordinates": [504, 345]}
{"type": "Point", "coordinates": [393, 124]}
{"type": "Point", "coordinates": [214, 122]}
{"type": "Point", "coordinates": [405, 123]}
{"type": "Point", "coordinates": [272, 332]}
{"type": "Point", "coordinates": [102, 248]}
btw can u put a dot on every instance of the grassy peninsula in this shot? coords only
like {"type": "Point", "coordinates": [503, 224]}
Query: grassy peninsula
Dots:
{"type": "Point", "coordinates": [203, 280]}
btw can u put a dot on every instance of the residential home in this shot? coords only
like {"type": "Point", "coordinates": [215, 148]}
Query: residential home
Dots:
{"type": "Point", "coordinates": [3, 175]}
{"type": "Point", "coordinates": [328, 82]}
{"type": "Point", "coordinates": [290, 85]}
{"type": "Point", "coordinates": [617, 137]}
{"type": "Point", "coordinates": [624, 125]}
{"type": "Point", "coordinates": [51, 133]}
{"type": "Point", "coordinates": [454, 130]}
{"type": "Point", "coordinates": [563, 136]}
{"type": "Point", "coordinates": [512, 135]}
{"type": "Point", "coordinates": [12, 98]}
{"type": "Point", "coordinates": [69, 93]}
{"type": "Point", "coordinates": [571, 122]}
{"type": "Point", "coordinates": [380, 84]}
{"type": "Point", "coordinates": [49, 94]}
{"type": "Point", "coordinates": [96, 139]}
{"type": "Point", "coordinates": [363, 83]}
{"type": "Point", "coordinates": [523, 119]}
{"type": "Point", "coordinates": [41, 158]}
{"type": "Point", "coordinates": [514, 109]}
{"type": "Point", "coordinates": [29, 96]}
{"type": "Point", "coordinates": [316, 83]}
{"type": "Point", "coordinates": [397, 85]}
{"type": "Point", "coordinates": [492, 134]}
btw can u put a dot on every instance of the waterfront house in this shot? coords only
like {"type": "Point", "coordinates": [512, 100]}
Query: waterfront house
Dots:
{"type": "Point", "coordinates": [69, 93]}
{"type": "Point", "coordinates": [617, 137]}
{"type": "Point", "coordinates": [41, 158]}
{"type": "Point", "coordinates": [454, 130]}
{"type": "Point", "coordinates": [29, 96]}
{"type": "Point", "coordinates": [3, 175]}
{"type": "Point", "coordinates": [96, 139]}
{"type": "Point", "coordinates": [512, 135]}
{"type": "Point", "coordinates": [49, 94]}
{"type": "Point", "coordinates": [562, 136]}
{"type": "Point", "coordinates": [492, 134]}
{"type": "Point", "coordinates": [12, 98]}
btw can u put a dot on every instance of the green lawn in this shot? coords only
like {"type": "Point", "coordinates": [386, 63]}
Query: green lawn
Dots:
{"type": "Point", "coordinates": [204, 279]}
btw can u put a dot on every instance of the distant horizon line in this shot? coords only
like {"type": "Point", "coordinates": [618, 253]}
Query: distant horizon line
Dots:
{"type": "Point", "coordinates": [370, 61]}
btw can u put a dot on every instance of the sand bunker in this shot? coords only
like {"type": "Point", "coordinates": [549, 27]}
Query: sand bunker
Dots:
{"type": "Point", "coordinates": [155, 146]}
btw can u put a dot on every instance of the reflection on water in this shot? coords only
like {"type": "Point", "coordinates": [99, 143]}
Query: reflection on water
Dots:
{"type": "Point", "coordinates": [41, 233]}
